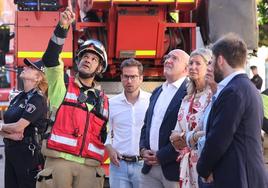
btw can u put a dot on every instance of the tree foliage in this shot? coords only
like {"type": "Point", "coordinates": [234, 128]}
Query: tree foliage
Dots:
{"type": "Point", "coordinates": [263, 22]}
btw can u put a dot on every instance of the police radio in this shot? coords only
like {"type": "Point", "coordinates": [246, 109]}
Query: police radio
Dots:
{"type": "Point", "coordinates": [82, 98]}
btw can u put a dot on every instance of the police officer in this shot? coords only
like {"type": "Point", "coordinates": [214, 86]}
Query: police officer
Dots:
{"type": "Point", "coordinates": [256, 79]}
{"type": "Point", "coordinates": [79, 111]}
{"type": "Point", "coordinates": [24, 116]}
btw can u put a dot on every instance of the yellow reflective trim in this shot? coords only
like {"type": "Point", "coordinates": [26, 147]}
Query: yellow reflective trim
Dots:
{"type": "Point", "coordinates": [175, 16]}
{"type": "Point", "coordinates": [179, 1]}
{"type": "Point", "coordinates": [124, 0]}
{"type": "Point", "coordinates": [107, 161]}
{"type": "Point", "coordinates": [186, 1]}
{"type": "Point", "coordinates": [40, 54]}
{"type": "Point", "coordinates": [163, 0]}
{"type": "Point", "coordinates": [70, 157]}
{"type": "Point", "coordinates": [145, 52]}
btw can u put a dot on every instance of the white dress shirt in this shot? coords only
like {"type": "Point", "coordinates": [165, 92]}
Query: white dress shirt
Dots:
{"type": "Point", "coordinates": [125, 123]}
{"type": "Point", "coordinates": [160, 108]}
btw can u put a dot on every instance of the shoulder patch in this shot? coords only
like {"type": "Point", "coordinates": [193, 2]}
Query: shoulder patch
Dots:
{"type": "Point", "coordinates": [30, 108]}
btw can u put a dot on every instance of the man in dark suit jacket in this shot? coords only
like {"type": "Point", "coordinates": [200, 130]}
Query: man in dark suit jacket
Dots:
{"type": "Point", "coordinates": [160, 168]}
{"type": "Point", "coordinates": [232, 155]}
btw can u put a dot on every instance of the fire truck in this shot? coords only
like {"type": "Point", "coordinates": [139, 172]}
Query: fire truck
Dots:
{"type": "Point", "coordinates": [141, 29]}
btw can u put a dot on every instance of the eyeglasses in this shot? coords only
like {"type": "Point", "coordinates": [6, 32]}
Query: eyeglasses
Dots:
{"type": "Point", "coordinates": [170, 56]}
{"type": "Point", "coordinates": [129, 77]}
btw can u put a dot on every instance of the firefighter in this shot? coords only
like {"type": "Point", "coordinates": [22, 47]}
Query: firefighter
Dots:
{"type": "Point", "coordinates": [79, 110]}
{"type": "Point", "coordinates": [25, 116]}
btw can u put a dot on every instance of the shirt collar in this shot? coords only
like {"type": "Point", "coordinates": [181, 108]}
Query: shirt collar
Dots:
{"type": "Point", "coordinates": [141, 96]}
{"type": "Point", "coordinates": [226, 80]}
{"type": "Point", "coordinates": [177, 83]}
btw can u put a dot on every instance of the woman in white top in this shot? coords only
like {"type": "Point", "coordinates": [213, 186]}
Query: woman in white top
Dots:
{"type": "Point", "coordinates": [189, 126]}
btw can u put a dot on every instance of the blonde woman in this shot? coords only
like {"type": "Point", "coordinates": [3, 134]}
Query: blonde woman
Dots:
{"type": "Point", "coordinates": [189, 126]}
{"type": "Point", "coordinates": [25, 116]}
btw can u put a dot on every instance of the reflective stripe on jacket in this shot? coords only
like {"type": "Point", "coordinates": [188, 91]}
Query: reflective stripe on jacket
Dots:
{"type": "Point", "coordinates": [76, 129]}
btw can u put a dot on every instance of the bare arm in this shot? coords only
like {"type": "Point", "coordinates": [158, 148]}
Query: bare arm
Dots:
{"type": "Point", "coordinates": [17, 127]}
{"type": "Point", "coordinates": [12, 136]}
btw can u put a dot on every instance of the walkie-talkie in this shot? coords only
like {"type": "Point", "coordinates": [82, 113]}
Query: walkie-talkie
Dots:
{"type": "Point", "coordinates": [101, 103]}
{"type": "Point", "coordinates": [82, 98]}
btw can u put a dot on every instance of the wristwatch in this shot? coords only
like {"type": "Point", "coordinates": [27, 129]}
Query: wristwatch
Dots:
{"type": "Point", "coordinates": [141, 151]}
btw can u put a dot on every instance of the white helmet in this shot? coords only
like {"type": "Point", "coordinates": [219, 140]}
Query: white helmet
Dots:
{"type": "Point", "coordinates": [95, 47]}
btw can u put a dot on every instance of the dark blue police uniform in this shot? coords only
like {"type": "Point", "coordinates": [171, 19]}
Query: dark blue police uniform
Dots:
{"type": "Point", "coordinates": [21, 163]}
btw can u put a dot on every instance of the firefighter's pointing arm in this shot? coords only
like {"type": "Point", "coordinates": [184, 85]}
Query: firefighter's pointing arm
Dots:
{"type": "Point", "coordinates": [55, 45]}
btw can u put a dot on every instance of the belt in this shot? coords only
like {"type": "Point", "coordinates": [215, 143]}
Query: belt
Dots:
{"type": "Point", "coordinates": [131, 159]}
{"type": "Point", "coordinates": [25, 140]}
